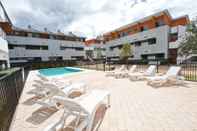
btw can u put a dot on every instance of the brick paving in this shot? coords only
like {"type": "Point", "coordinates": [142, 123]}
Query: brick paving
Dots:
{"type": "Point", "coordinates": [134, 106]}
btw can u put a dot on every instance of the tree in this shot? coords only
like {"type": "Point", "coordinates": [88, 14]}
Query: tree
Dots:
{"type": "Point", "coordinates": [189, 45]}
{"type": "Point", "coordinates": [126, 52]}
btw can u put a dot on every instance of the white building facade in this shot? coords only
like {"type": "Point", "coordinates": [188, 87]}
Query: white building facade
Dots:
{"type": "Point", "coordinates": [28, 48]}
{"type": "Point", "coordinates": [4, 55]}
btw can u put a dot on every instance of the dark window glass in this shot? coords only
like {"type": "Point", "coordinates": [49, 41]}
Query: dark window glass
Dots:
{"type": "Point", "coordinates": [141, 28]}
{"type": "Point", "coordinates": [159, 56]}
{"type": "Point", "coordinates": [152, 41]}
{"type": "Point", "coordinates": [44, 48]}
{"type": "Point", "coordinates": [173, 37]}
{"type": "Point", "coordinates": [33, 47]}
{"type": "Point", "coordinates": [79, 48]}
{"type": "Point", "coordinates": [10, 46]}
{"type": "Point", "coordinates": [138, 43]}
{"type": "Point", "coordinates": [120, 47]}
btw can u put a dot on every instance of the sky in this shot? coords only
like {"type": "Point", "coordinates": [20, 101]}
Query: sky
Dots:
{"type": "Point", "coordinates": [90, 18]}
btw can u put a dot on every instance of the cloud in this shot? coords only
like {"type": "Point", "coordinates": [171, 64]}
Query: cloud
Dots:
{"type": "Point", "coordinates": [90, 17]}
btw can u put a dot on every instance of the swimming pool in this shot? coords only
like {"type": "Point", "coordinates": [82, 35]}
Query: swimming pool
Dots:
{"type": "Point", "coordinates": [58, 71]}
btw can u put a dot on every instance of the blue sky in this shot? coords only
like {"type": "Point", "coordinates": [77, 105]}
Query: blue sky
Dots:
{"type": "Point", "coordinates": [90, 17]}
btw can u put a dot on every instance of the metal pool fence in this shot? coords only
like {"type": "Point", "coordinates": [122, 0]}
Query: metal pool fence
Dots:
{"type": "Point", "coordinates": [11, 86]}
{"type": "Point", "coordinates": [189, 69]}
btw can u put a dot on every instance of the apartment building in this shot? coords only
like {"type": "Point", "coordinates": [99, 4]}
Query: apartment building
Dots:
{"type": "Point", "coordinates": [26, 45]}
{"type": "Point", "coordinates": [154, 37]}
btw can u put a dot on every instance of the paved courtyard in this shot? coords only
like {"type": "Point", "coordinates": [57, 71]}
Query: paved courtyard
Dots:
{"type": "Point", "coordinates": [134, 106]}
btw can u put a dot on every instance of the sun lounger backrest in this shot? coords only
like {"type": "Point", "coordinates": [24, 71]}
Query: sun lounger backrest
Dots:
{"type": "Point", "coordinates": [122, 68]}
{"type": "Point", "coordinates": [151, 70]}
{"type": "Point", "coordinates": [133, 68]}
{"type": "Point", "coordinates": [70, 104]}
{"type": "Point", "coordinates": [173, 71]}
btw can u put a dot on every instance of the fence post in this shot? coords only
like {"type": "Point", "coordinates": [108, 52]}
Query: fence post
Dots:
{"type": "Point", "coordinates": [103, 65]}
{"type": "Point", "coordinates": [23, 74]}
{"type": "Point", "coordinates": [96, 65]}
{"type": "Point", "coordinates": [157, 66]}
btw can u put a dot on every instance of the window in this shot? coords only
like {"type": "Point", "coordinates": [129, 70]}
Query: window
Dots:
{"type": "Point", "coordinates": [141, 28]}
{"type": "Point", "coordinates": [64, 47]}
{"type": "Point", "coordinates": [173, 37]}
{"type": "Point", "coordinates": [159, 23]}
{"type": "Point", "coordinates": [44, 47]}
{"type": "Point", "coordinates": [138, 43]}
{"type": "Point", "coordinates": [111, 48]}
{"type": "Point", "coordinates": [116, 46]}
{"type": "Point", "coordinates": [159, 56]}
{"type": "Point", "coordinates": [36, 35]}
{"type": "Point", "coordinates": [152, 41]}
{"type": "Point", "coordinates": [79, 48]}
{"type": "Point", "coordinates": [145, 28]}
{"type": "Point", "coordinates": [72, 48]}
{"type": "Point", "coordinates": [10, 46]}
{"type": "Point", "coordinates": [120, 47]}
{"type": "Point", "coordinates": [55, 58]}
{"type": "Point", "coordinates": [77, 57]}
{"type": "Point", "coordinates": [144, 57]}
{"type": "Point", "coordinates": [33, 47]}
{"type": "Point", "coordinates": [29, 59]}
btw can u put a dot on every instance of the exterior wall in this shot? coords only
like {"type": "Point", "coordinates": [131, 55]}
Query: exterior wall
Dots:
{"type": "Point", "coordinates": [161, 46]}
{"type": "Point", "coordinates": [53, 48]}
{"type": "Point", "coordinates": [3, 48]}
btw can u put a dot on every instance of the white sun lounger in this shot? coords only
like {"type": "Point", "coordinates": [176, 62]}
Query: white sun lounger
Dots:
{"type": "Point", "coordinates": [73, 90]}
{"type": "Point", "coordinates": [85, 113]}
{"type": "Point", "coordinates": [143, 75]}
{"type": "Point", "coordinates": [170, 78]}
{"type": "Point", "coordinates": [41, 89]}
{"type": "Point", "coordinates": [125, 73]}
{"type": "Point", "coordinates": [112, 73]}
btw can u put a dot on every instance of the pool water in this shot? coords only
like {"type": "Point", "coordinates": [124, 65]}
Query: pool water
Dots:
{"type": "Point", "coordinates": [58, 71]}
